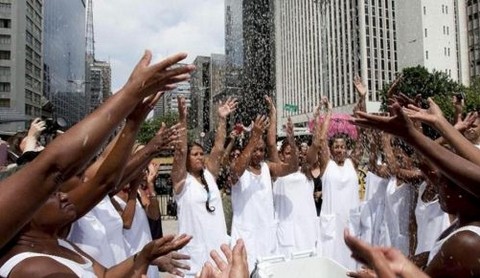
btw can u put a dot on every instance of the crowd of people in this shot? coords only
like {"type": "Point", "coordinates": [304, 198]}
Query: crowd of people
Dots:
{"type": "Point", "coordinates": [85, 204]}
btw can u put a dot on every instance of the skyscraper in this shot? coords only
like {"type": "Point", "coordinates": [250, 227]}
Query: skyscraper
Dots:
{"type": "Point", "coordinates": [473, 27]}
{"type": "Point", "coordinates": [21, 67]}
{"type": "Point", "coordinates": [433, 34]}
{"type": "Point", "coordinates": [64, 58]}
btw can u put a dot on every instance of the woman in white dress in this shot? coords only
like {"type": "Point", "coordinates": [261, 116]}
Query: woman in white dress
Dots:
{"type": "Point", "coordinates": [340, 190]}
{"type": "Point", "coordinates": [200, 210]}
{"type": "Point", "coordinates": [252, 198]}
{"type": "Point", "coordinates": [293, 199]}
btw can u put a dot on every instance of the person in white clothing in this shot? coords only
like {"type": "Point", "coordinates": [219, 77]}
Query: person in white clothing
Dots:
{"type": "Point", "coordinates": [252, 198]}
{"type": "Point", "coordinates": [37, 251]}
{"type": "Point", "coordinates": [293, 200]}
{"type": "Point", "coordinates": [200, 210]}
{"type": "Point", "coordinates": [340, 189]}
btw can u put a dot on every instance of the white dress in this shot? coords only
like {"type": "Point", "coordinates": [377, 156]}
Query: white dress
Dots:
{"type": "Point", "coordinates": [100, 234]}
{"type": "Point", "coordinates": [253, 214]}
{"type": "Point", "coordinates": [399, 201]}
{"type": "Point", "coordinates": [431, 222]}
{"type": "Point", "coordinates": [296, 214]}
{"type": "Point", "coordinates": [340, 196]}
{"type": "Point", "coordinates": [84, 270]}
{"type": "Point", "coordinates": [139, 233]}
{"type": "Point", "coordinates": [372, 210]}
{"type": "Point", "coordinates": [208, 229]}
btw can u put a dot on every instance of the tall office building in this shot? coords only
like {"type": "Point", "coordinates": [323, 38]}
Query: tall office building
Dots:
{"type": "Point", "coordinates": [99, 83]}
{"type": "Point", "coordinates": [64, 58]}
{"type": "Point", "coordinates": [322, 45]}
{"type": "Point", "coordinates": [473, 27]}
{"type": "Point", "coordinates": [298, 63]}
{"type": "Point", "coordinates": [21, 64]}
{"type": "Point", "coordinates": [432, 33]}
{"type": "Point", "coordinates": [169, 103]}
{"type": "Point", "coordinates": [250, 54]}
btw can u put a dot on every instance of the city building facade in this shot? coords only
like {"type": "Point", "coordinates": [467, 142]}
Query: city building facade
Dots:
{"type": "Point", "coordinates": [21, 62]}
{"type": "Point", "coordinates": [432, 33]}
{"type": "Point", "coordinates": [64, 58]}
{"type": "Point", "coordinates": [473, 28]}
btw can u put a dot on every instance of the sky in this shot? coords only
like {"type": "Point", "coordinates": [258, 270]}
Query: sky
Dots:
{"type": "Point", "coordinates": [125, 28]}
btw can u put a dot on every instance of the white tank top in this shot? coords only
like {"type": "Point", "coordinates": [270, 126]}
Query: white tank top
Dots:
{"type": "Point", "coordinates": [296, 213]}
{"type": "Point", "coordinates": [438, 244]}
{"type": "Point", "coordinates": [139, 233]}
{"type": "Point", "coordinates": [253, 214]}
{"type": "Point", "coordinates": [208, 229]}
{"type": "Point", "coordinates": [84, 270]}
{"type": "Point", "coordinates": [100, 234]}
{"type": "Point", "coordinates": [431, 222]}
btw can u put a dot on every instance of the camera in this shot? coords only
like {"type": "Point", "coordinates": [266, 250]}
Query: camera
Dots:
{"type": "Point", "coordinates": [54, 124]}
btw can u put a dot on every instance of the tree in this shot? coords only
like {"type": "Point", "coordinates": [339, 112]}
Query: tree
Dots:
{"type": "Point", "coordinates": [418, 80]}
{"type": "Point", "coordinates": [151, 126]}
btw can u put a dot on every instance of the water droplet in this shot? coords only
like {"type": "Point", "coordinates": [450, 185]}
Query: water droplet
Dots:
{"type": "Point", "coordinates": [85, 141]}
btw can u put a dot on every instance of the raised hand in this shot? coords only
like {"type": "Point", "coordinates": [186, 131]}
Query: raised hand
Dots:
{"type": "Point", "coordinates": [166, 137]}
{"type": "Point", "coordinates": [36, 128]}
{"type": "Point", "coordinates": [182, 110]}
{"type": "Point", "coordinates": [152, 171]}
{"type": "Point", "coordinates": [289, 130]}
{"type": "Point", "coordinates": [361, 89]}
{"type": "Point", "coordinates": [466, 123]}
{"type": "Point", "coordinates": [236, 265]}
{"type": "Point", "coordinates": [143, 108]}
{"type": "Point", "coordinates": [172, 264]}
{"type": "Point", "coordinates": [163, 246]}
{"type": "Point", "coordinates": [227, 108]}
{"type": "Point", "coordinates": [327, 105]}
{"type": "Point", "coordinates": [260, 124]}
{"type": "Point", "coordinates": [148, 79]}
{"type": "Point", "coordinates": [399, 125]}
{"type": "Point", "coordinates": [429, 116]}
{"type": "Point", "coordinates": [271, 107]}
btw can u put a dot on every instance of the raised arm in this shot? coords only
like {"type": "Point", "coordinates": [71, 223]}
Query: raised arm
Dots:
{"type": "Point", "coordinates": [179, 167]}
{"type": "Point", "coordinates": [213, 162]}
{"type": "Point", "coordinates": [361, 104]}
{"type": "Point", "coordinates": [271, 139]}
{"type": "Point", "coordinates": [112, 166]}
{"type": "Point", "coordinates": [465, 173]}
{"type": "Point", "coordinates": [319, 150]}
{"type": "Point", "coordinates": [26, 190]}
{"type": "Point", "coordinates": [434, 117]}
{"type": "Point", "coordinates": [240, 164]}
{"type": "Point", "coordinates": [280, 169]}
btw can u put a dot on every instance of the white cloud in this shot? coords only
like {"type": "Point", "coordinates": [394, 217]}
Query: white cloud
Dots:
{"type": "Point", "coordinates": [125, 28]}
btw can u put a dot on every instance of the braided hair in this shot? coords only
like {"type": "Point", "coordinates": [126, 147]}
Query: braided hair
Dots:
{"type": "Point", "coordinates": [203, 181]}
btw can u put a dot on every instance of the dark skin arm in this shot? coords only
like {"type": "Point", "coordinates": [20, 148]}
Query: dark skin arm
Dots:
{"type": "Point", "coordinates": [69, 153]}
{"type": "Point", "coordinates": [280, 169]}
{"type": "Point", "coordinates": [213, 161]}
{"type": "Point", "coordinates": [134, 266]}
{"type": "Point", "coordinates": [240, 164]}
{"type": "Point", "coordinates": [271, 139]}
{"type": "Point", "coordinates": [179, 167]}
{"type": "Point", "coordinates": [465, 173]}
{"type": "Point", "coordinates": [320, 150]}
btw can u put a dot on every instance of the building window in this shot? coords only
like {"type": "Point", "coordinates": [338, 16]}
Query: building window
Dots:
{"type": "Point", "coordinates": [426, 33]}
{"type": "Point", "coordinates": [446, 9]}
{"type": "Point", "coordinates": [4, 55]}
{"type": "Point", "coordinates": [4, 87]}
{"type": "Point", "coordinates": [426, 54]}
{"type": "Point", "coordinates": [424, 10]}
{"type": "Point", "coordinates": [5, 39]}
{"type": "Point", "coordinates": [444, 30]}
{"type": "Point", "coordinates": [5, 7]}
{"type": "Point", "coordinates": [4, 102]}
{"type": "Point", "coordinates": [4, 71]}
{"type": "Point", "coordinates": [443, 9]}
{"type": "Point", "coordinates": [5, 23]}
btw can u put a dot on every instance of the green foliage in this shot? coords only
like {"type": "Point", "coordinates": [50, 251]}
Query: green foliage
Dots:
{"type": "Point", "coordinates": [438, 85]}
{"type": "Point", "coordinates": [151, 126]}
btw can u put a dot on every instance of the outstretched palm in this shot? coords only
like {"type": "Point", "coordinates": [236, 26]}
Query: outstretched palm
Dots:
{"type": "Point", "coordinates": [227, 108]}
